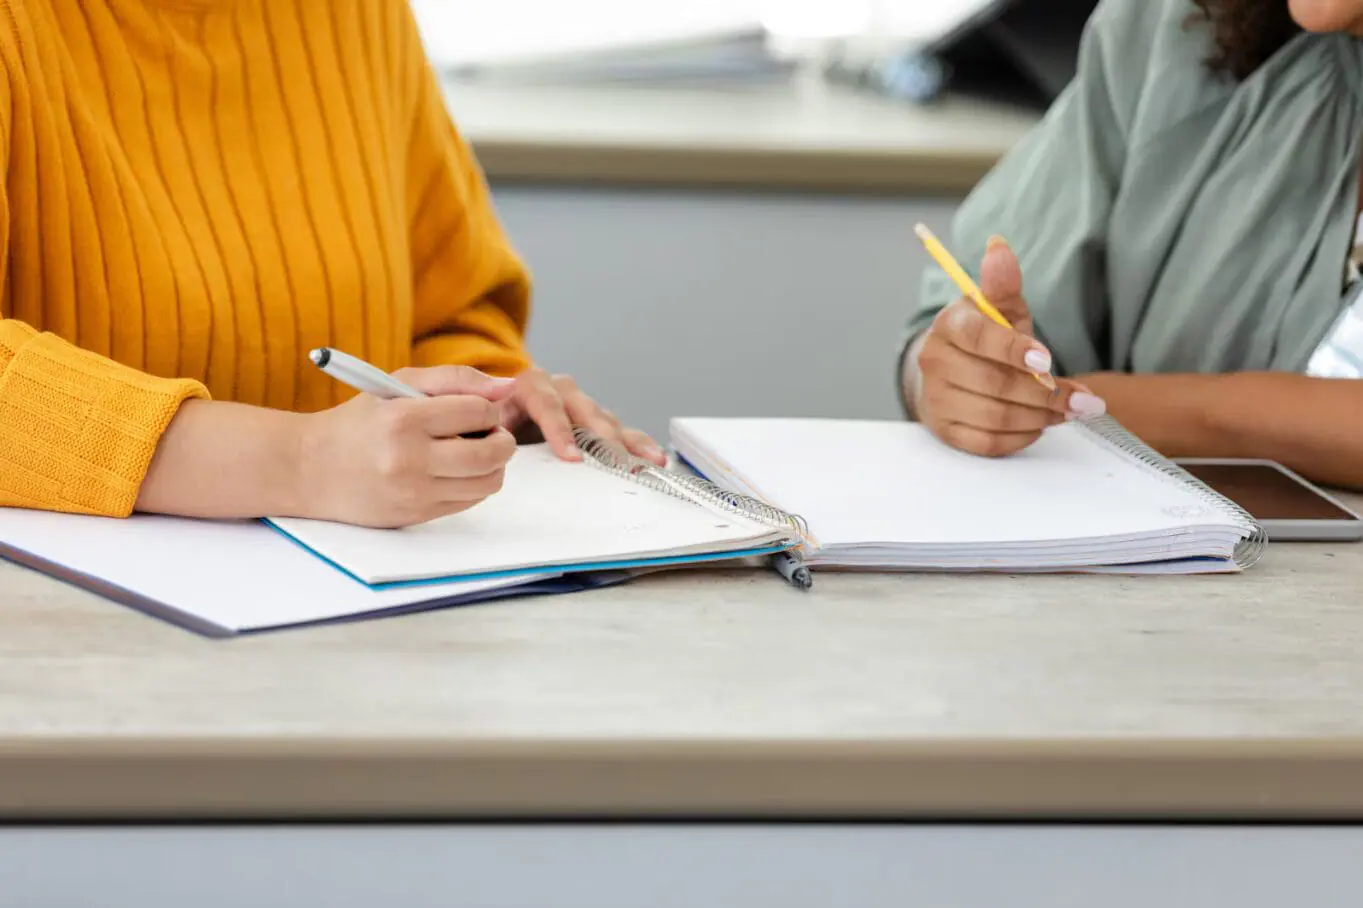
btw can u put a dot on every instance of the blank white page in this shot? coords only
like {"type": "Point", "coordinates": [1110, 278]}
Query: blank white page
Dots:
{"type": "Point", "coordinates": [859, 482]}
{"type": "Point", "coordinates": [235, 575]}
{"type": "Point", "coordinates": [549, 512]}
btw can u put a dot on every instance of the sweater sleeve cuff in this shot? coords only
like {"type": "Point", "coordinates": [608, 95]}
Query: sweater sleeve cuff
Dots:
{"type": "Point", "coordinates": [77, 430]}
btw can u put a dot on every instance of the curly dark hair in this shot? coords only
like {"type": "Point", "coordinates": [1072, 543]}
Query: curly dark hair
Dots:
{"type": "Point", "coordinates": [1246, 32]}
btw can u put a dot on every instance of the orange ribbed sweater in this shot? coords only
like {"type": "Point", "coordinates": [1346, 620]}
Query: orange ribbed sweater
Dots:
{"type": "Point", "coordinates": [196, 193]}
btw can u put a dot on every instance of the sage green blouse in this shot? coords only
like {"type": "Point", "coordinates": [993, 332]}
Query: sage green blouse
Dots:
{"type": "Point", "coordinates": [1171, 220]}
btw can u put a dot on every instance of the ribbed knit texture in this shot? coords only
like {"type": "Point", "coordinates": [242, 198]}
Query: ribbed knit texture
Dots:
{"type": "Point", "coordinates": [197, 192]}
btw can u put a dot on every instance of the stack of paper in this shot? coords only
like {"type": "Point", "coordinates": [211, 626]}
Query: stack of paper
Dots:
{"type": "Point", "coordinates": [605, 40]}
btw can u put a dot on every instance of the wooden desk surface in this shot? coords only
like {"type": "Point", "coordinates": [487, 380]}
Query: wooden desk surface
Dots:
{"type": "Point", "coordinates": [805, 135]}
{"type": "Point", "coordinates": [712, 695]}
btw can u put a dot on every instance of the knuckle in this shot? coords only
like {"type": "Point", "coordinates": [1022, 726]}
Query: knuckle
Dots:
{"type": "Point", "coordinates": [399, 417]}
{"type": "Point", "coordinates": [558, 416]}
{"type": "Point", "coordinates": [955, 435]}
{"type": "Point", "coordinates": [1000, 382]}
{"type": "Point", "coordinates": [1017, 346]}
{"type": "Point", "coordinates": [467, 407]}
{"type": "Point", "coordinates": [453, 372]}
{"type": "Point", "coordinates": [991, 340]}
{"type": "Point", "coordinates": [409, 502]}
{"type": "Point", "coordinates": [992, 445]}
{"type": "Point", "coordinates": [493, 482]}
{"type": "Point", "coordinates": [484, 410]}
{"type": "Point", "coordinates": [932, 397]}
{"type": "Point", "coordinates": [478, 488]}
{"type": "Point", "coordinates": [605, 427]}
{"type": "Point", "coordinates": [999, 414]}
{"type": "Point", "coordinates": [970, 328]}
{"type": "Point", "coordinates": [947, 320]}
{"type": "Point", "coordinates": [489, 455]}
{"type": "Point", "coordinates": [395, 460]}
{"type": "Point", "coordinates": [930, 355]}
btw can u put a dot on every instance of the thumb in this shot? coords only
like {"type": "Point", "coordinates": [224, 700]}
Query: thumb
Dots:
{"type": "Point", "coordinates": [1001, 280]}
{"type": "Point", "coordinates": [439, 381]}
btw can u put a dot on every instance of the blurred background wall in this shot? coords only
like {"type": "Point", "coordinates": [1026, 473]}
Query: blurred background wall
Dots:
{"type": "Point", "coordinates": [716, 197]}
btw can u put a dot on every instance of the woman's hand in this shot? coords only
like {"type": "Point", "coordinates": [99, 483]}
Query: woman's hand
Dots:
{"type": "Point", "coordinates": [369, 462]}
{"type": "Point", "coordinates": [394, 463]}
{"type": "Point", "coordinates": [556, 405]}
{"type": "Point", "coordinates": [975, 387]}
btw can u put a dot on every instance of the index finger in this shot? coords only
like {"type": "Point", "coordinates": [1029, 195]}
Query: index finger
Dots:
{"type": "Point", "coordinates": [967, 328]}
{"type": "Point", "coordinates": [544, 405]}
{"type": "Point", "coordinates": [457, 415]}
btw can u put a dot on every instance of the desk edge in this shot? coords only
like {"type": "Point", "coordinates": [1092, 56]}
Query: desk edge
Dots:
{"type": "Point", "coordinates": [314, 779]}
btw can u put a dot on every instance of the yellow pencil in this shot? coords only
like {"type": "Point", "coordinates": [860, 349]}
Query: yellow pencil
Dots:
{"type": "Point", "coordinates": [968, 287]}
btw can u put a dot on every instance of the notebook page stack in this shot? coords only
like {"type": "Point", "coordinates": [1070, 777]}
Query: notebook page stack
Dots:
{"type": "Point", "coordinates": [890, 496]}
{"type": "Point", "coordinates": [224, 578]}
{"type": "Point", "coordinates": [550, 516]}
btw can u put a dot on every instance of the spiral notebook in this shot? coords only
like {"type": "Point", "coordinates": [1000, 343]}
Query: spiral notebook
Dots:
{"type": "Point", "coordinates": [611, 511]}
{"type": "Point", "coordinates": [1088, 496]}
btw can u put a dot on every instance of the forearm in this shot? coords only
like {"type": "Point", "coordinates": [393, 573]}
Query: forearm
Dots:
{"type": "Point", "coordinates": [226, 460]}
{"type": "Point", "coordinates": [1310, 425]}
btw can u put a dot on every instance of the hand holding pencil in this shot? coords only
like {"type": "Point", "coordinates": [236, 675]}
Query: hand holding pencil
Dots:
{"type": "Point", "coordinates": [984, 382]}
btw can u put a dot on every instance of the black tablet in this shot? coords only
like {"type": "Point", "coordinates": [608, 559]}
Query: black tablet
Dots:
{"type": "Point", "coordinates": [1286, 505]}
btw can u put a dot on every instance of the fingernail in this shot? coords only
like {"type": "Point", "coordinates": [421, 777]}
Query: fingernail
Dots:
{"type": "Point", "coordinates": [996, 242]}
{"type": "Point", "coordinates": [1085, 404]}
{"type": "Point", "coordinates": [500, 382]}
{"type": "Point", "coordinates": [1038, 360]}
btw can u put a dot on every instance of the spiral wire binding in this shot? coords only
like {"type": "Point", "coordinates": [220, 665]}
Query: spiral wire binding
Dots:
{"type": "Point", "coordinates": [609, 457]}
{"type": "Point", "coordinates": [1249, 550]}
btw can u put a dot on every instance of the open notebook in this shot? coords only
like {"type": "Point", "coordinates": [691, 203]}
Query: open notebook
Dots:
{"type": "Point", "coordinates": [609, 512]}
{"type": "Point", "coordinates": [888, 495]}
{"type": "Point", "coordinates": [555, 527]}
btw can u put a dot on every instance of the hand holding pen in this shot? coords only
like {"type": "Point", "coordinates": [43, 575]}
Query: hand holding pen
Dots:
{"type": "Point", "coordinates": [416, 445]}
{"type": "Point", "coordinates": [984, 381]}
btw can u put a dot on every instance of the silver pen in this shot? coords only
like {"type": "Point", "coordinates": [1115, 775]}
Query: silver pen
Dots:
{"type": "Point", "coordinates": [792, 567]}
{"type": "Point", "coordinates": [369, 379]}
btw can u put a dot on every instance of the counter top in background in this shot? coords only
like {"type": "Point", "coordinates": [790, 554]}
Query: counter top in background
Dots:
{"type": "Point", "coordinates": [806, 135]}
